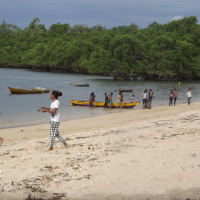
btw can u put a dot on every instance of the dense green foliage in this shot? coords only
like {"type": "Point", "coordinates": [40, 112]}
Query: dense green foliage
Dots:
{"type": "Point", "coordinates": [168, 51]}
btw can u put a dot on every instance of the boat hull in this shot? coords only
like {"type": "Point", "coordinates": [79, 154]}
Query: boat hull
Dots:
{"type": "Point", "coordinates": [123, 90]}
{"type": "Point", "coordinates": [101, 104]}
{"type": "Point", "coordinates": [27, 91]}
{"type": "Point", "coordinates": [82, 85]}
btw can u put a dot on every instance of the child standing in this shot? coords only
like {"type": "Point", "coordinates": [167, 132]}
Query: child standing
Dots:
{"type": "Point", "coordinates": [189, 95]}
{"type": "Point", "coordinates": [171, 97]}
{"type": "Point", "coordinates": [132, 98]}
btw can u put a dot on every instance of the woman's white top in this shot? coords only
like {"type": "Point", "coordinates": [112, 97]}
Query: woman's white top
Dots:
{"type": "Point", "coordinates": [55, 117]}
{"type": "Point", "coordinates": [144, 95]}
{"type": "Point", "coordinates": [189, 94]}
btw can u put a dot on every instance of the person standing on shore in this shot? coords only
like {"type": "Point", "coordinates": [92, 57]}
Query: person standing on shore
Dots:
{"type": "Point", "coordinates": [145, 98]}
{"type": "Point", "coordinates": [132, 98]}
{"type": "Point", "coordinates": [111, 99]}
{"type": "Point", "coordinates": [91, 99]}
{"type": "Point", "coordinates": [189, 95]}
{"type": "Point", "coordinates": [171, 97]}
{"type": "Point", "coordinates": [54, 119]}
{"type": "Point", "coordinates": [106, 100]}
{"type": "Point", "coordinates": [120, 100]}
{"type": "Point", "coordinates": [175, 96]}
{"type": "Point", "coordinates": [150, 95]}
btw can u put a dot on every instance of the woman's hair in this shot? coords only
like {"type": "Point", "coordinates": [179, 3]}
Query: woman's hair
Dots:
{"type": "Point", "coordinates": [56, 94]}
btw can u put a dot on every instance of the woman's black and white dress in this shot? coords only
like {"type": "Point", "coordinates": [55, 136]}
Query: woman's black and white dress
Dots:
{"type": "Point", "coordinates": [55, 122]}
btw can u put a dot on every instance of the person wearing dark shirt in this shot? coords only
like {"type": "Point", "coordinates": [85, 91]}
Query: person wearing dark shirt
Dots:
{"type": "Point", "coordinates": [106, 100]}
{"type": "Point", "coordinates": [150, 95]}
{"type": "Point", "coordinates": [92, 99]}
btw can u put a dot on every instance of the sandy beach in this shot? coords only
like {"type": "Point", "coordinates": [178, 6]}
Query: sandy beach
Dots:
{"type": "Point", "coordinates": [134, 154]}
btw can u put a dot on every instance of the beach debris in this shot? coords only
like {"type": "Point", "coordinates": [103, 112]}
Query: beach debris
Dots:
{"type": "Point", "coordinates": [1, 140]}
{"type": "Point", "coordinates": [81, 156]}
{"type": "Point", "coordinates": [3, 154]}
{"type": "Point", "coordinates": [13, 156]}
{"type": "Point", "coordinates": [56, 196]}
{"type": "Point", "coordinates": [88, 176]}
{"type": "Point", "coordinates": [147, 146]}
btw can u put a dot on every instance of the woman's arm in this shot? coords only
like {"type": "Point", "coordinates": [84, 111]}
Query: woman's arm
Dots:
{"type": "Point", "coordinates": [49, 111]}
{"type": "Point", "coordinates": [42, 108]}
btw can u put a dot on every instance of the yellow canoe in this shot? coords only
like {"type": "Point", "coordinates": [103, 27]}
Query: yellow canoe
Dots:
{"type": "Point", "coordinates": [28, 90]}
{"type": "Point", "coordinates": [101, 104]}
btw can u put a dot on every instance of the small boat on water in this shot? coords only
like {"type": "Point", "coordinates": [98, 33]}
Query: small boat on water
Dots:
{"type": "Point", "coordinates": [125, 90]}
{"type": "Point", "coordinates": [36, 90]}
{"type": "Point", "coordinates": [82, 85]}
{"type": "Point", "coordinates": [101, 104]}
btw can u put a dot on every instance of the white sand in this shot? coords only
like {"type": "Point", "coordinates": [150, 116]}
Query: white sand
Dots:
{"type": "Point", "coordinates": [137, 154]}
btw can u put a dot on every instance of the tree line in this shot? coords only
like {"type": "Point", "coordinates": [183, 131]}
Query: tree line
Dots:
{"type": "Point", "coordinates": [158, 52]}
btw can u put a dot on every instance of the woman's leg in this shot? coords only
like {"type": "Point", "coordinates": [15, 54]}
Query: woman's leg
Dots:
{"type": "Point", "coordinates": [170, 102]}
{"type": "Point", "coordinates": [52, 135]}
{"type": "Point", "coordinates": [59, 136]}
{"type": "Point", "coordinates": [189, 100]}
{"type": "Point", "coordinates": [174, 101]}
{"type": "Point", "coordinates": [54, 132]}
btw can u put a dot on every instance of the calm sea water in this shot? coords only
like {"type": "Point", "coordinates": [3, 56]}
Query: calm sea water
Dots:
{"type": "Point", "coordinates": [17, 110]}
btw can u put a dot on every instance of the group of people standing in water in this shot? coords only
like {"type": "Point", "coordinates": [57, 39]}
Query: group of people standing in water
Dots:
{"type": "Point", "coordinates": [173, 97]}
{"type": "Point", "coordinates": [147, 98]}
{"type": "Point", "coordinates": [109, 99]}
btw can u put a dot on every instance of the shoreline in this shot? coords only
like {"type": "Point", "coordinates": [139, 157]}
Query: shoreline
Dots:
{"type": "Point", "coordinates": [136, 108]}
{"type": "Point", "coordinates": [83, 124]}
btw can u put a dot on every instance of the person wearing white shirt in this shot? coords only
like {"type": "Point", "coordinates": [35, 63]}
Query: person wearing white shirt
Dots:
{"type": "Point", "coordinates": [189, 95]}
{"type": "Point", "coordinates": [54, 118]}
{"type": "Point", "coordinates": [145, 97]}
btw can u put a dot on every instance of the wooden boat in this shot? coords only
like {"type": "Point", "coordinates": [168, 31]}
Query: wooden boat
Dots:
{"type": "Point", "coordinates": [36, 90]}
{"type": "Point", "coordinates": [101, 104]}
{"type": "Point", "coordinates": [82, 85]}
{"type": "Point", "coordinates": [125, 90]}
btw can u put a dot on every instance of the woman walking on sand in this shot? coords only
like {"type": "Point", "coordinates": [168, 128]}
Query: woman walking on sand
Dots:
{"type": "Point", "coordinates": [171, 97]}
{"type": "Point", "coordinates": [55, 118]}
